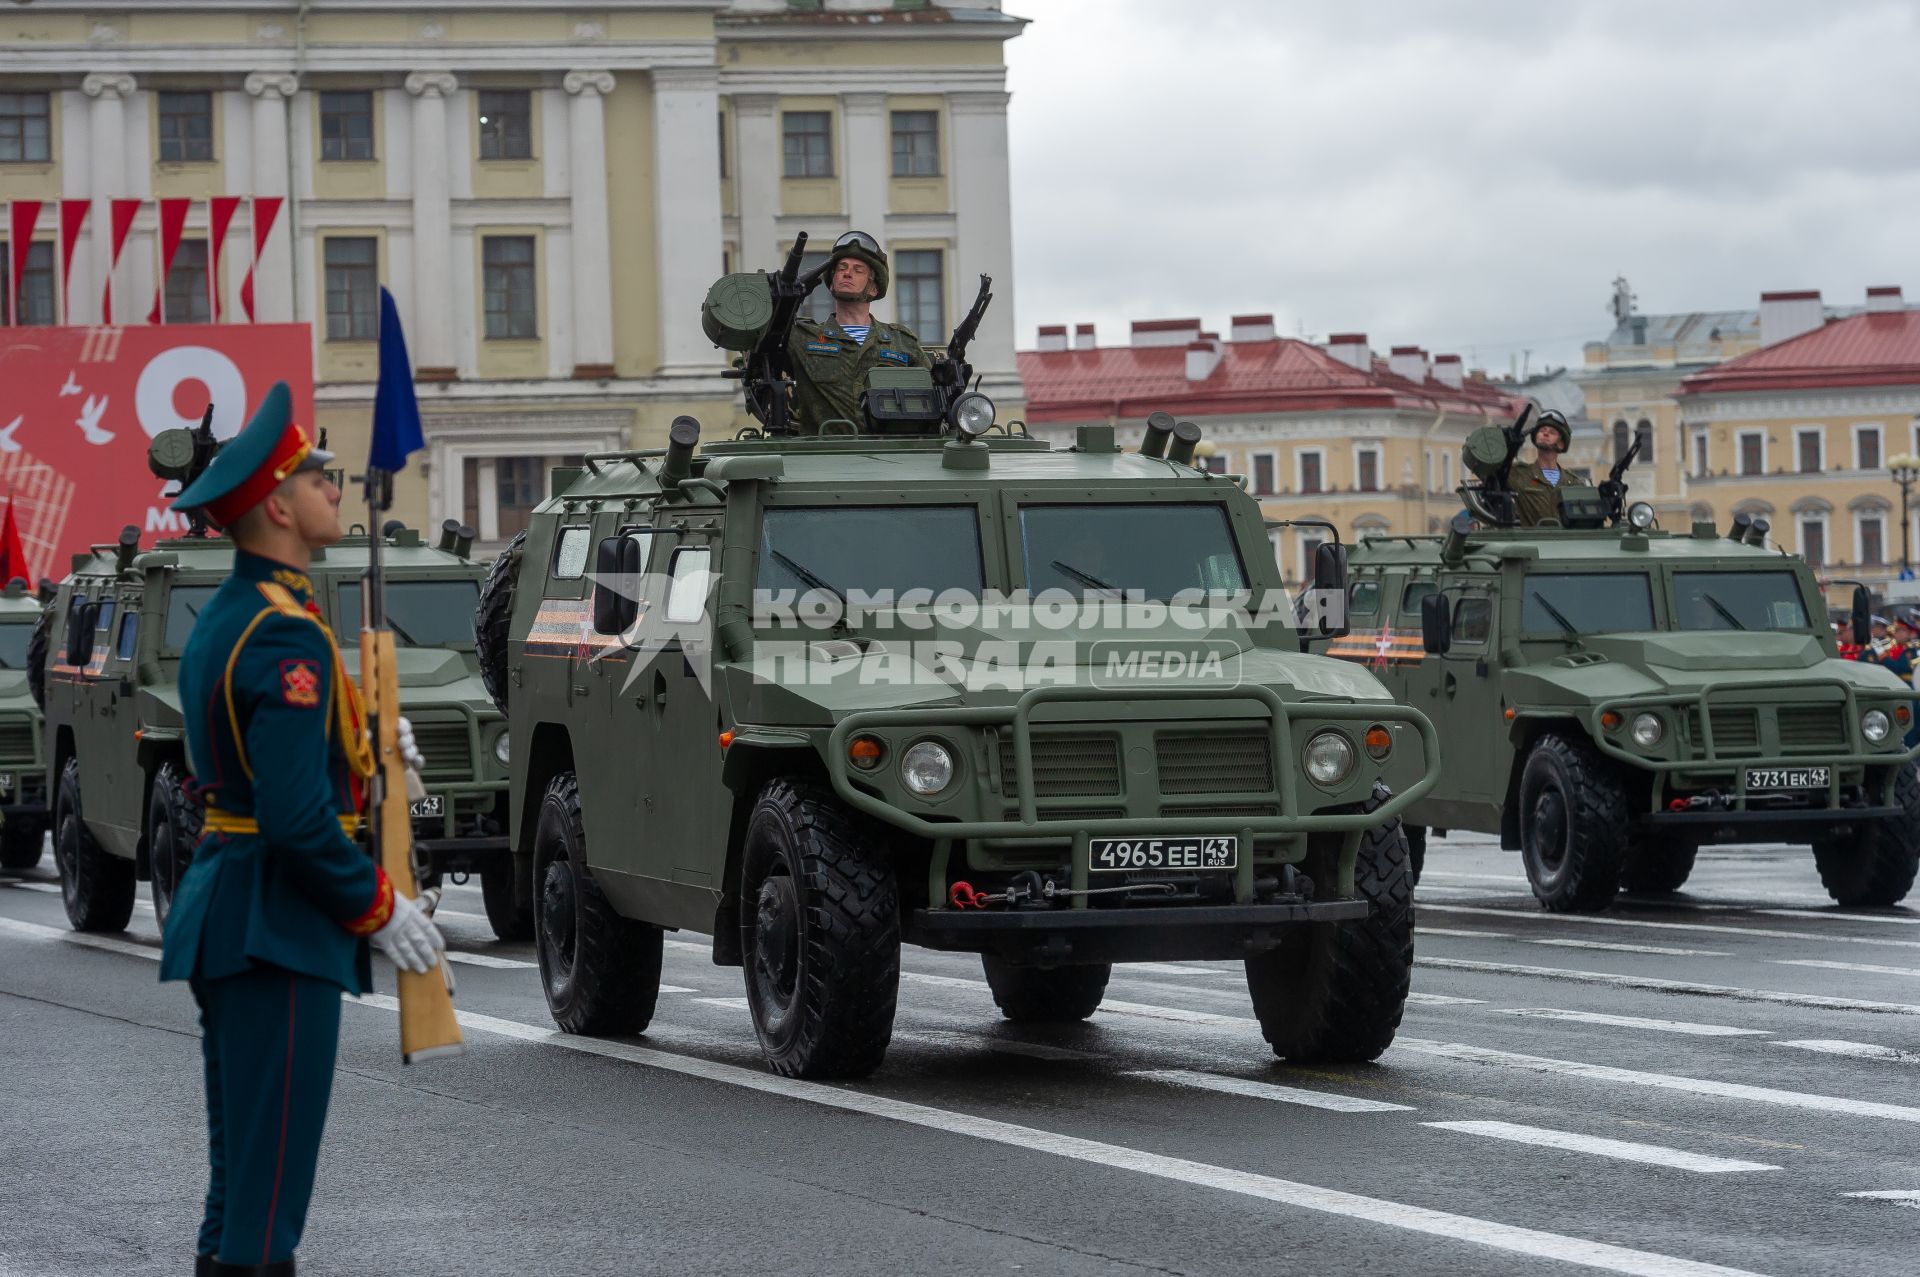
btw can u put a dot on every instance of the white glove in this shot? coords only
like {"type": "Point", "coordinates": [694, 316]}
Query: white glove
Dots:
{"type": "Point", "coordinates": [410, 939]}
{"type": "Point", "coordinates": [403, 732]}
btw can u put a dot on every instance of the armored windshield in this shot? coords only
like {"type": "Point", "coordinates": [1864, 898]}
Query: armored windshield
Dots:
{"type": "Point", "coordinates": [422, 613]}
{"type": "Point", "coordinates": [1737, 601]}
{"type": "Point", "coordinates": [1159, 550]}
{"type": "Point", "coordinates": [13, 644]}
{"type": "Point", "coordinates": [1587, 603]}
{"type": "Point", "coordinates": [183, 607]}
{"type": "Point", "coordinates": [872, 549]}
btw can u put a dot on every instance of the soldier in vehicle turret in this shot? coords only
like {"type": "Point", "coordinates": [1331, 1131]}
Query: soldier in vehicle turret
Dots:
{"type": "Point", "coordinates": [831, 360]}
{"type": "Point", "coordinates": [1536, 484]}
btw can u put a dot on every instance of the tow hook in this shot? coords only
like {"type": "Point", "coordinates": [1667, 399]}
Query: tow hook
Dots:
{"type": "Point", "coordinates": [1712, 800]}
{"type": "Point", "coordinates": [1028, 885]}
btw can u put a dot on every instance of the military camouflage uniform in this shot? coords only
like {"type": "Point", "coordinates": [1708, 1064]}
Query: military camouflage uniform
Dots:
{"type": "Point", "coordinates": [1534, 499]}
{"type": "Point", "coordinates": [831, 368]}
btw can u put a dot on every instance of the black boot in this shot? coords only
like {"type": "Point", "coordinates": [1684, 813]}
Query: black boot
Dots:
{"type": "Point", "coordinates": [282, 1269]}
{"type": "Point", "coordinates": [205, 1266]}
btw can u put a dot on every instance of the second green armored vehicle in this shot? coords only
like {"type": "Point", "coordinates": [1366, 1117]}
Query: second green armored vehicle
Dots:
{"type": "Point", "coordinates": [23, 791]}
{"type": "Point", "coordinates": [1610, 697]}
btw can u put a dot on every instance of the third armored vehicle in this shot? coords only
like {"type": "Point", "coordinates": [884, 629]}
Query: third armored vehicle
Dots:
{"type": "Point", "coordinates": [23, 791]}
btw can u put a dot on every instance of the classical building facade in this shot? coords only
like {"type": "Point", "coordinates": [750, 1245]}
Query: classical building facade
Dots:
{"type": "Point", "coordinates": [1327, 432]}
{"type": "Point", "coordinates": [547, 188]}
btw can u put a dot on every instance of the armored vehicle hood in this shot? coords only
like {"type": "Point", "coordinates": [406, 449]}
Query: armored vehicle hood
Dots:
{"type": "Point", "coordinates": [1616, 665]}
{"type": "Point", "coordinates": [424, 667]}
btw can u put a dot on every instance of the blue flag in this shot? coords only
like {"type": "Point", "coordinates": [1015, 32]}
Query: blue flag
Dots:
{"type": "Point", "coordinates": [396, 413]}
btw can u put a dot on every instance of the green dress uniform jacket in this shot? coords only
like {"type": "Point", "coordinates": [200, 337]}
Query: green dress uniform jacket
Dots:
{"type": "Point", "coordinates": [830, 368]}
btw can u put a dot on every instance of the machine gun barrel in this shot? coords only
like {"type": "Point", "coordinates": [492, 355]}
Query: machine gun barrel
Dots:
{"type": "Point", "coordinates": [767, 369]}
{"type": "Point", "coordinates": [954, 372]}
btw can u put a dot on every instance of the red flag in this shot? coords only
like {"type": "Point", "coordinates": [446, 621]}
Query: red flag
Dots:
{"type": "Point", "coordinates": [124, 212]}
{"type": "Point", "coordinates": [221, 209]}
{"type": "Point", "coordinates": [73, 215]}
{"type": "Point", "coordinates": [173, 220]}
{"type": "Point", "coordinates": [25, 214]}
{"type": "Point", "coordinates": [265, 209]}
{"type": "Point", "coordinates": [13, 555]}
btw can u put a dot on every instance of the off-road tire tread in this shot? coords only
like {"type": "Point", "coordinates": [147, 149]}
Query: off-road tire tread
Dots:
{"type": "Point", "coordinates": [852, 936]}
{"type": "Point", "coordinates": [185, 818]}
{"type": "Point", "coordinates": [1653, 866]}
{"type": "Point", "coordinates": [509, 919]}
{"type": "Point", "coordinates": [100, 895]}
{"type": "Point", "coordinates": [495, 619]}
{"type": "Point", "coordinates": [1877, 868]}
{"type": "Point", "coordinates": [1335, 993]}
{"type": "Point", "coordinates": [38, 644]}
{"type": "Point", "coordinates": [1038, 995]}
{"type": "Point", "coordinates": [616, 969]}
{"type": "Point", "coordinates": [1416, 852]}
{"type": "Point", "coordinates": [1598, 816]}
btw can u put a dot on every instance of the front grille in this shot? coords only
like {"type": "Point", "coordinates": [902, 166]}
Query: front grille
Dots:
{"type": "Point", "coordinates": [1736, 729]}
{"type": "Point", "coordinates": [16, 743]}
{"type": "Point", "coordinates": [1065, 766]}
{"type": "Point", "coordinates": [1215, 763]}
{"type": "Point", "coordinates": [1812, 726]}
{"type": "Point", "coordinates": [447, 751]}
{"type": "Point", "coordinates": [1245, 809]}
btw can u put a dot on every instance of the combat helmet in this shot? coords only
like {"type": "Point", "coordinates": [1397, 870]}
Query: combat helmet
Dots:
{"type": "Point", "coordinates": [859, 244]}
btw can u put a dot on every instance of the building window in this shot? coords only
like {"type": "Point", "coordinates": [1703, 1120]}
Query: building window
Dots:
{"type": "Point", "coordinates": [25, 136]}
{"type": "Point", "coordinates": [1872, 540]}
{"type": "Point", "coordinates": [1866, 447]}
{"type": "Point", "coordinates": [1644, 433]}
{"type": "Point", "coordinates": [34, 305]}
{"type": "Point", "coordinates": [515, 485]}
{"type": "Point", "coordinates": [1620, 438]}
{"type": "Point", "coordinates": [1700, 455]}
{"type": "Point", "coordinates": [919, 281]}
{"type": "Point", "coordinates": [187, 284]}
{"type": "Point", "coordinates": [186, 127]}
{"type": "Point", "coordinates": [1214, 464]}
{"type": "Point", "coordinates": [1263, 474]}
{"type": "Point", "coordinates": [723, 146]}
{"type": "Point", "coordinates": [1311, 467]}
{"type": "Point", "coordinates": [807, 141]}
{"type": "Point", "coordinates": [916, 144]}
{"type": "Point", "coordinates": [1310, 544]}
{"type": "Point", "coordinates": [346, 125]}
{"type": "Point", "coordinates": [353, 289]}
{"type": "Point", "coordinates": [1813, 541]}
{"type": "Point", "coordinates": [1753, 453]}
{"type": "Point", "coordinates": [1809, 448]}
{"type": "Point", "coordinates": [506, 124]}
{"type": "Point", "coordinates": [1366, 470]}
{"type": "Point", "coordinates": [1446, 472]}
{"type": "Point", "coordinates": [819, 304]}
{"type": "Point", "coordinates": [510, 286]}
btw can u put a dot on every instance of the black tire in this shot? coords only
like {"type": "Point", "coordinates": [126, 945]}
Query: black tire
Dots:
{"type": "Point", "coordinates": [819, 933]}
{"type": "Point", "coordinates": [1037, 995]}
{"type": "Point", "coordinates": [1656, 865]}
{"type": "Point", "coordinates": [173, 831]}
{"type": "Point", "coordinates": [1416, 852]}
{"type": "Point", "coordinates": [21, 841]}
{"type": "Point", "coordinates": [1334, 991]}
{"type": "Point", "coordinates": [97, 887]}
{"type": "Point", "coordinates": [1573, 825]}
{"type": "Point", "coordinates": [600, 971]}
{"type": "Point", "coordinates": [509, 919]}
{"type": "Point", "coordinates": [494, 618]}
{"type": "Point", "coordinates": [37, 644]}
{"type": "Point", "coordinates": [1878, 866]}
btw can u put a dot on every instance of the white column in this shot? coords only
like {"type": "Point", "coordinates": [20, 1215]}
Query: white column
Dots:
{"type": "Point", "coordinates": [756, 179]}
{"type": "Point", "coordinates": [273, 277]}
{"type": "Point", "coordinates": [983, 213]}
{"type": "Point", "coordinates": [686, 148]}
{"type": "Point", "coordinates": [106, 131]}
{"type": "Point", "coordinates": [868, 161]}
{"type": "Point", "coordinates": [431, 324]}
{"type": "Point", "coordinates": [592, 275]}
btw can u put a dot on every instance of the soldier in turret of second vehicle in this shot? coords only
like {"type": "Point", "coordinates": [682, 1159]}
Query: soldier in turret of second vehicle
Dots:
{"type": "Point", "coordinates": [1536, 484]}
{"type": "Point", "coordinates": [831, 360]}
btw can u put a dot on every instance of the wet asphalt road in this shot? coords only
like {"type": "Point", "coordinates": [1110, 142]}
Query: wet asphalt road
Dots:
{"type": "Point", "coordinates": [1724, 1081]}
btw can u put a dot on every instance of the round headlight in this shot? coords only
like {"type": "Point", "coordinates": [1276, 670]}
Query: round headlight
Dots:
{"type": "Point", "coordinates": [1640, 516]}
{"type": "Point", "coordinates": [502, 750]}
{"type": "Point", "coordinates": [1329, 757]}
{"type": "Point", "coordinates": [927, 768]}
{"type": "Point", "coordinates": [1874, 725]}
{"type": "Point", "coordinates": [1647, 730]}
{"type": "Point", "coordinates": [972, 413]}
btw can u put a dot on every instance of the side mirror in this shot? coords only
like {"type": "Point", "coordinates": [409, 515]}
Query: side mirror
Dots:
{"type": "Point", "coordinates": [616, 581]}
{"type": "Point", "coordinates": [1862, 616]}
{"type": "Point", "coordinates": [1330, 583]}
{"type": "Point", "coordinates": [80, 641]}
{"type": "Point", "coordinates": [1436, 624]}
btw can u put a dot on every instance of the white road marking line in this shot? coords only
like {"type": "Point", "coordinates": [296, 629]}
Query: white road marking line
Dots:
{"type": "Point", "coordinates": [1827, 965]}
{"type": "Point", "coordinates": [444, 912]}
{"type": "Point", "coordinates": [1907, 1197]}
{"type": "Point", "coordinates": [1673, 986]}
{"type": "Point", "coordinates": [1511, 880]}
{"type": "Point", "coordinates": [731, 1004]}
{"type": "Point", "coordinates": [1442, 1000]}
{"type": "Point", "coordinates": [1608, 920]}
{"type": "Point", "coordinates": [1419, 931]}
{"type": "Point", "coordinates": [34, 931]}
{"type": "Point", "coordinates": [488, 960]}
{"type": "Point", "coordinates": [948, 1038]}
{"type": "Point", "coordinates": [1168, 968]}
{"type": "Point", "coordinates": [1269, 1091]}
{"type": "Point", "coordinates": [1858, 1050]}
{"type": "Point", "coordinates": [1636, 1022]}
{"type": "Point", "coordinates": [1656, 1081]}
{"type": "Point", "coordinates": [1482, 893]}
{"type": "Point", "coordinates": [52, 887]}
{"type": "Point", "coordinates": [1611, 947]}
{"type": "Point", "coordinates": [671, 988]}
{"type": "Point", "coordinates": [688, 946]}
{"type": "Point", "coordinates": [1465, 1228]}
{"type": "Point", "coordinates": [1828, 915]}
{"type": "Point", "coordinates": [1568, 1141]}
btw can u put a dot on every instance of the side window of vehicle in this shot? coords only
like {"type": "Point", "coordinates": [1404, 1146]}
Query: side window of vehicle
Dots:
{"type": "Point", "coordinates": [692, 578]}
{"type": "Point", "coordinates": [1472, 619]}
{"type": "Point", "coordinates": [1363, 598]}
{"type": "Point", "coordinates": [100, 642]}
{"type": "Point", "coordinates": [129, 636]}
{"type": "Point", "coordinates": [1411, 596]}
{"type": "Point", "coordinates": [79, 633]}
{"type": "Point", "coordinates": [570, 552]}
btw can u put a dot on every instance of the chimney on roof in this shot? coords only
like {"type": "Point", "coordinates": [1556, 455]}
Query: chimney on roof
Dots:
{"type": "Point", "coordinates": [1083, 338]}
{"type": "Point", "coordinates": [1203, 356]}
{"type": "Point", "coordinates": [1165, 332]}
{"type": "Point", "coordinates": [1053, 337]}
{"type": "Point", "coordinates": [1883, 298]}
{"type": "Point", "coordinates": [1252, 328]}
{"type": "Point", "coordinates": [1409, 362]}
{"type": "Point", "coordinates": [1448, 371]}
{"type": "Point", "coordinates": [1351, 349]}
{"type": "Point", "coordinates": [1787, 315]}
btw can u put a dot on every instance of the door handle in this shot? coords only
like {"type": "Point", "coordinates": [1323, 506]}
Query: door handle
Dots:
{"type": "Point", "coordinates": [1451, 683]}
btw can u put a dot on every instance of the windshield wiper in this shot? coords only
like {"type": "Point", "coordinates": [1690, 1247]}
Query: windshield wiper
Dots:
{"type": "Point", "coordinates": [1555, 613]}
{"type": "Point", "coordinates": [1087, 578]}
{"type": "Point", "coordinates": [808, 577]}
{"type": "Point", "coordinates": [1721, 608]}
{"type": "Point", "coordinates": [399, 629]}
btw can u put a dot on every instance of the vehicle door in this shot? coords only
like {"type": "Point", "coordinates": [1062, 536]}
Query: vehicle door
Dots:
{"type": "Point", "coordinates": [694, 802]}
{"type": "Point", "coordinates": [122, 805]}
{"type": "Point", "coordinates": [95, 729]}
{"type": "Point", "coordinates": [1464, 700]}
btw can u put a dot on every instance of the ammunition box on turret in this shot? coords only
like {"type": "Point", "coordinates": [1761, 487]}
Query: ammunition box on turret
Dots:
{"type": "Point", "coordinates": [1485, 451]}
{"type": "Point", "coordinates": [737, 311]}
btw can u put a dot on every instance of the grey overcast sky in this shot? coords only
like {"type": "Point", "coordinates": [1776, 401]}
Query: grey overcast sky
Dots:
{"type": "Point", "coordinates": [1466, 176]}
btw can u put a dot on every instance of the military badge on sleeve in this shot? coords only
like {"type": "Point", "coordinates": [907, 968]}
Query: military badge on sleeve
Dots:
{"type": "Point", "coordinates": [300, 683]}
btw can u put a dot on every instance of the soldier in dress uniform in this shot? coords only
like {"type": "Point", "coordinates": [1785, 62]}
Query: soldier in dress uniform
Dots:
{"type": "Point", "coordinates": [272, 920]}
{"type": "Point", "coordinates": [831, 360]}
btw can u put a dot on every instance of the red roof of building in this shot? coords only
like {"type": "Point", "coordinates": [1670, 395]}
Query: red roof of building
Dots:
{"type": "Point", "coordinates": [1277, 375]}
{"type": "Point", "coordinates": [1872, 349]}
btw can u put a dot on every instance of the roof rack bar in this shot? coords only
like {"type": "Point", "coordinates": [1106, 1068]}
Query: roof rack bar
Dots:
{"type": "Point", "coordinates": [635, 456]}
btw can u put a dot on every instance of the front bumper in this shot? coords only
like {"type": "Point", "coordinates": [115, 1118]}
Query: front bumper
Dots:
{"type": "Point", "coordinates": [1136, 933]}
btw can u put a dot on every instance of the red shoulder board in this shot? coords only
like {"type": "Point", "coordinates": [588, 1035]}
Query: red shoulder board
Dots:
{"type": "Point", "coordinates": [300, 683]}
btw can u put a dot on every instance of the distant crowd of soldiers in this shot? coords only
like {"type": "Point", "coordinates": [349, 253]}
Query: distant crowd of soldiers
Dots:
{"type": "Point", "coordinates": [1894, 645]}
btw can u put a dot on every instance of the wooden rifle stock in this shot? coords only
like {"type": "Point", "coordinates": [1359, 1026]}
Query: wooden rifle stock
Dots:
{"type": "Point", "coordinates": [427, 1023]}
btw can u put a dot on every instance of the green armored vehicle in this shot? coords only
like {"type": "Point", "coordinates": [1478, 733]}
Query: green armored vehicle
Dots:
{"type": "Point", "coordinates": [115, 758]}
{"type": "Point", "coordinates": [23, 791]}
{"type": "Point", "coordinates": [1611, 696]}
{"type": "Point", "coordinates": [769, 693]}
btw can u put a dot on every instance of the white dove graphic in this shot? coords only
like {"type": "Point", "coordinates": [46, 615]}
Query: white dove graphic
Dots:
{"type": "Point", "coordinates": [7, 442]}
{"type": "Point", "coordinates": [89, 420]}
{"type": "Point", "coordinates": [71, 388]}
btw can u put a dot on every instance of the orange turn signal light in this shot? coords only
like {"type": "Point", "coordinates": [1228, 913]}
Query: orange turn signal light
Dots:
{"type": "Point", "coordinates": [1904, 714]}
{"type": "Point", "coordinates": [1379, 741]}
{"type": "Point", "coordinates": [1509, 713]}
{"type": "Point", "coordinates": [726, 738]}
{"type": "Point", "coordinates": [865, 752]}
{"type": "Point", "coordinates": [1610, 720]}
